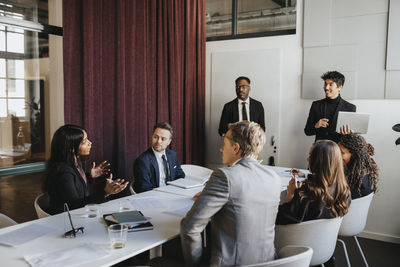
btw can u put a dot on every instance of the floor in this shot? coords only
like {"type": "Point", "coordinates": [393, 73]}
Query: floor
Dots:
{"type": "Point", "coordinates": [17, 194]}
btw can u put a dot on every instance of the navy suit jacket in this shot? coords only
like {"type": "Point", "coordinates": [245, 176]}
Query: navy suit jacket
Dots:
{"type": "Point", "coordinates": [146, 172]}
{"type": "Point", "coordinates": [230, 114]}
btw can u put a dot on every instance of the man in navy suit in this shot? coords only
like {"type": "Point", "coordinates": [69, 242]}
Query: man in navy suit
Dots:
{"type": "Point", "coordinates": [242, 108]}
{"type": "Point", "coordinates": [157, 165]}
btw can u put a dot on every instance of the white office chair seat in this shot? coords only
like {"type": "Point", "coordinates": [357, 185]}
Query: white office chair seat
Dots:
{"type": "Point", "coordinates": [320, 235]}
{"type": "Point", "coordinates": [354, 222]}
{"type": "Point", "coordinates": [131, 189]}
{"type": "Point", "coordinates": [6, 221]}
{"type": "Point", "coordinates": [41, 204]}
{"type": "Point", "coordinates": [196, 170]}
{"type": "Point", "coordinates": [290, 256]}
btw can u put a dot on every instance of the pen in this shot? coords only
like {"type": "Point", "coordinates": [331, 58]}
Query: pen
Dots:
{"type": "Point", "coordinates": [111, 180]}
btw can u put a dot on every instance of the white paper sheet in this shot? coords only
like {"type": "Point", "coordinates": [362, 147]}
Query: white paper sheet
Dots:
{"type": "Point", "coordinates": [180, 191]}
{"type": "Point", "coordinates": [25, 234]}
{"type": "Point", "coordinates": [67, 257]}
{"type": "Point", "coordinates": [146, 203]}
{"type": "Point", "coordinates": [180, 212]}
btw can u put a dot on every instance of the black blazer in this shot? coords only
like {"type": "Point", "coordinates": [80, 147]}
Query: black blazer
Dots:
{"type": "Point", "coordinates": [230, 114]}
{"type": "Point", "coordinates": [366, 188]}
{"type": "Point", "coordinates": [317, 112]}
{"type": "Point", "coordinates": [297, 211]}
{"type": "Point", "coordinates": [146, 172]}
{"type": "Point", "coordinates": [67, 186]}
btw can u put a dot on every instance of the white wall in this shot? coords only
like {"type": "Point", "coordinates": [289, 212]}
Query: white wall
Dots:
{"type": "Point", "coordinates": [384, 217]}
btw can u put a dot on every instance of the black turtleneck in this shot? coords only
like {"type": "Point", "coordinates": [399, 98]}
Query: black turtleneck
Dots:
{"type": "Point", "coordinates": [331, 105]}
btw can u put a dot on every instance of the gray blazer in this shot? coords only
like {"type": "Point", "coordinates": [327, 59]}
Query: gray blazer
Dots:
{"type": "Point", "coordinates": [242, 202]}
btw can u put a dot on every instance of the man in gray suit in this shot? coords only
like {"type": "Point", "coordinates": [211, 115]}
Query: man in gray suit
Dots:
{"type": "Point", "coordinates": [241, 200]}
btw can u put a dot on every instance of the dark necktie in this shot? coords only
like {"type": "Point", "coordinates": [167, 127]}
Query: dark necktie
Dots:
{"type": "Point", "coordinates": [244, 112]}
{"type": "Point", "coordinates": [166, 169]}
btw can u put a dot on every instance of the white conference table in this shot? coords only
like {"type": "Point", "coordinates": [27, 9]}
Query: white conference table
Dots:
{"type": "Point", "coordinates": [166, 227]}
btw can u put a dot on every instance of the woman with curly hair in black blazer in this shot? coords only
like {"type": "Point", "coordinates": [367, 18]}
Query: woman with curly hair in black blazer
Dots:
{"type": "Point", "coordinates": [360, 169]}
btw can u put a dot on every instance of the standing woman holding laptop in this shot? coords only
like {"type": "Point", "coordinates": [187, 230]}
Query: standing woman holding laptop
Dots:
{"type": "Point", "coordinates": [66, 181]}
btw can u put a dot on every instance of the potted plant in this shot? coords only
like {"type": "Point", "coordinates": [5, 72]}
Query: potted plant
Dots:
{"type": "Point", "coordinates": [397, 129]}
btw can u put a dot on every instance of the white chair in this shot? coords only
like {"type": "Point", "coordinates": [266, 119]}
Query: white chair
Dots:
{"type": "Point", "coordinates": [290, 256]}
{"type": "Point", "coordinates": [131, 189]}
{"type": "Point", "coordinates": [6, 221]}
{"type": "Point", "coordinates": [320, 235]}
{"type": "Point", "coordinates": [41, 204]}
{"type": "Point", "coordinates": [196, 170]}
{"type": "Point", "coordinates": [354, 222]}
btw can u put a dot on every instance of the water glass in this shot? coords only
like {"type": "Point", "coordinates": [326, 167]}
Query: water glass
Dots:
{"type": "Point", "coordinates": [118, 234]}
{"type": "Point", "coordinates": [124, 205]}
{"type": "Point", "coordinates": [92, 210]}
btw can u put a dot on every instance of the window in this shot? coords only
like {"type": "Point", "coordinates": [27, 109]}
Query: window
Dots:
{"type": "Point", "coordinates": [231, 19]}
{"type": "Point", "coordinates": [24, 82]}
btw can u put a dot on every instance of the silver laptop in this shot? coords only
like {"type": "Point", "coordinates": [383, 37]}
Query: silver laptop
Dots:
{"type": "Point", "coordinates": [358, 122]}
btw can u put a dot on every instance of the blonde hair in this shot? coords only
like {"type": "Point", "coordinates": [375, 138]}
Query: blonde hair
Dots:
{"type": "Point", "coordinates": [250, 137]}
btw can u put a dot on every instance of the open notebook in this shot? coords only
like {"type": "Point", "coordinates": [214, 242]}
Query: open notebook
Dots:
{"type": "Point", "coordinates": [190, 181]}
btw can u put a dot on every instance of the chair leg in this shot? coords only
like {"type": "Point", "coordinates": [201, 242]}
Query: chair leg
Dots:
{"type": "Point", "coordinates": [362, 254]}
{"type": "Point", "coordinates": [204, 238]}
{"type": "Point", "coordinates": [345, 252]}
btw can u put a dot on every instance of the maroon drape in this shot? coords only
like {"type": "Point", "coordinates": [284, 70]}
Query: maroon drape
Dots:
{"type": "Point", "coordinates": [129, 64]}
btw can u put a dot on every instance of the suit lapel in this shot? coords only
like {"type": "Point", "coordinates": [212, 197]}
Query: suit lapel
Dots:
{"type": "Point", "coordinates": [170, 163]}
{"type": "Point", "coordinates": [253, 110]}
{"type": "Point", "coordinates": [235, 112]}
{"type": "Point", "coordinates": [154, 163]}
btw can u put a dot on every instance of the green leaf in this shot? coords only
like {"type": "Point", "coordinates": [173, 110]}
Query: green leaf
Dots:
{"type": "Point", "coordinates": [398, 141]}
{"type": "Point", "coordinates": [396, 127]}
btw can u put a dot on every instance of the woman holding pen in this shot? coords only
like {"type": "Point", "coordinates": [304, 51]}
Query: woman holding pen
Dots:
{"type": "Point", "coordinates": [66, 181]}
{"type": "Point", "coordinates": [324, 195]}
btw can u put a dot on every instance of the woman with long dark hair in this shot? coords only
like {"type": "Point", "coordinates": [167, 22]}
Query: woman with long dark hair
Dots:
{"type": "Point", "coordinates": [324, 195]}
{"type": "Point", "coordinates": [360, 169]}
{"type": "Point", "coordinates": [66, 181]}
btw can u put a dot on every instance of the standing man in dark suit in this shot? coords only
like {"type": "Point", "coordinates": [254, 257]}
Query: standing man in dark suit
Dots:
{"type": "Point", "coordinates": [157, 165]}
{"type": "Point", "coordinates": [323, 115]}
{"type": "Point", "coordinates": [241, 107]}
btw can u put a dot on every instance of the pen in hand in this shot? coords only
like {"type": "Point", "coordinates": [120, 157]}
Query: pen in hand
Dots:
{"type": "Point", "coordinates": [111, 180]}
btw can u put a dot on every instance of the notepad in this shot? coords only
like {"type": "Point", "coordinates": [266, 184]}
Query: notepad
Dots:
{"type": "Point", "coordinates": [130, 217]}
{"type": "Point", "coordinates": [139, 225]}
{"type": "Point", "coordinates": [190, 181]}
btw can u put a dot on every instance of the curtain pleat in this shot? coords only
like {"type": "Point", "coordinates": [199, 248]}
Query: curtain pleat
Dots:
{"type": "Point", "coordinates": [129, 64]}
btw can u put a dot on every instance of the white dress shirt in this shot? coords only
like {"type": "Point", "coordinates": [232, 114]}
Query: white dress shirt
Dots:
{"type": "Point", "coordinates": [240, 106]}
{"type": "Point", "coordinates": [161, 169]}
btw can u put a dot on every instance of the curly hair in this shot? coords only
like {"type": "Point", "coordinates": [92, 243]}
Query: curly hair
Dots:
{"type": "Point", "coordinates": [327, 183]}
{"type": "Point", "coordinates": [361, 162]}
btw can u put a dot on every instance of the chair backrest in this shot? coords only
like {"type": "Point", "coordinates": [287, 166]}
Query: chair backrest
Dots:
{"type": "Point", "coordinates": [196, 170]}
{"type": "Point", "coordinates": [290, 256]}
{"type": "Point", "coordinates": [320, 235]}
{"type": "Point", "coordinates": [41, 204]}
{"type": "Point", "coordinates": [131, 189]}
{"type": "Point", "coordinates": [354, 221]}
{"type": "Point", "coordinates": [6, 221]}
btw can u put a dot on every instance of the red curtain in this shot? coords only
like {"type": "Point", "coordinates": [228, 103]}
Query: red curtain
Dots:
{"type": "Point", "coordinates": [129, 64]}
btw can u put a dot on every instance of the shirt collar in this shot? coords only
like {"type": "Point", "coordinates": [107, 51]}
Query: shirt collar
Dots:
{"type": "Point", "coordinates": [158, 154]}
{"type": "Point", "coordinates": [241, 101]}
